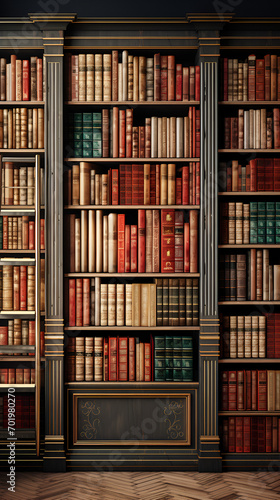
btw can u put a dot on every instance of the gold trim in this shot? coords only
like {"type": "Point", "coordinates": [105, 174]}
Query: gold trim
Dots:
{"type": "Point", "coordinates": [208, 337]}
{"type": "Point", "coordinates": [53, 38]}
{"type": "Point", "coordinates": [130, 38]}
{"type": "Point", "coordinates": [142, 47]}
{"type": "Point", "coordinates": [186, 396]}
{"type": "Point", "coordinates": [54, 436]}
{"type": "Point", "coordinates": [53, 55]}
{"type": "Point", "coordinates": [209, 438]}
{"type": "Point", "coordinates": [253, 47]}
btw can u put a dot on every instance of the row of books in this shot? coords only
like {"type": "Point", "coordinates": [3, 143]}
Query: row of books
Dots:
{"type": "Point", "coordinates": [254, 222]}
{"type": "Point", "coordinates": [18, 233]}
{"type": "Point", "coordinates": [253, 129]}
{"type": "Point", "coordinates": [111, 134]}
{"type": "Point", "coordinates": [161, 242]}
{"type": "Point", "coordinates": [260, 174]}
{"type": "Point", "coordinates": [251, 80]}
{"type": "Point", "coordinates": [97, 77]}
{"type": "Point", "coordinates": [18, 184]}
{"type": "Point", "coordinates": [133, 184]}
{"type": "Point", "coordinates": [165, 302]}
{"type": "Point", "coordinates": [22, 128]}
{"type": "Point", "coordinates": [24, 412]}
{"type": "Point", "coordinates": [173, 358]}
{"type": "Point", "coordinates": [20, 332]}
{"type": "Point", "coordinates": [21, 80]}
{"type": "Point", "coordinates": [117, 359]}
{"type": "Point", "coordinates": [17, 287]}
{"type": "Point", "coordinates": [250, 434]}
{"type": "Point", "coordinates": [248, 276]}
{"type": "Point", "coordinates": [250, 336]}
{"type": "Point", "coordinates": [250, 390]}
{"type": "Point", "coordinates": [17, 376]}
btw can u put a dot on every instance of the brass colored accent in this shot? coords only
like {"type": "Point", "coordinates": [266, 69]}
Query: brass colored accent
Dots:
{"type": "Point", "coordinates": [185, 47]}
{"type": "Point", "coordinates": [131, 38]}
{"type": "Point", "coordinates": [53, 55]}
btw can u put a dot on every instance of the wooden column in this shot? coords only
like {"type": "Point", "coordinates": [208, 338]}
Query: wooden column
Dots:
{"type": "Point", "coordinates": [208, 31]}
{"type": "Point", "coordinates": [53, 41]}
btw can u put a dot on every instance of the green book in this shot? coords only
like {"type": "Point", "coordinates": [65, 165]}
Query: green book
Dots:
{"type": "Point", "coordinates": [253, 222]}
{"type": "Point", "coordinates": [277, 222]}
{"type": "Point", "coordinates": [168, 358]}
{"type": "Point", "coordinates": [159, 358]}
{"type": "Point", "coordinates": [96, 135]}
{"type": "Point", "coordinates": [261, 222]}
{"type": "Point", "coordinates": [270, 222]}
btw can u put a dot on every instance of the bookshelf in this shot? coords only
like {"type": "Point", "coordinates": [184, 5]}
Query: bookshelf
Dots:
{"type": "Point", "coordinates": [196, 40]}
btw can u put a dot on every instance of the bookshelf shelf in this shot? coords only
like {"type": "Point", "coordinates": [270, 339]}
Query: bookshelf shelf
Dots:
{"type": "Point", "coordinates": [22, 151]}
{"type": "Point", "coordinates": [262, 245]}
{"type": "Point", "coordinates": [248, 302]}
{"type": "Point", "coordinates": [18, 349]}
{"type": "Point", "coordinates": [256, 151]}
{"type": "Point", "coordinates": [249, 413]}
{"type": "Point", "coordinates": [138, 385]}
{"type": "Point", "coordinates": [17, 314]}
{"type": "Point", "coordinates": [133, 104]}
{"type": "Point", "coordinates": [131, 160]}
{"type": "Point", "coordinates": [131, 275]}
{"type": "Point", "coordinates": [131, 207]}
{"type": "Point", "coordinates": [20, 359]}
{"type": "Point", "coordinates": [18, 387]}
{"type": "Point", "coordinates": [21, 103]}
{"type": "Point", "coordinates": [15, 252]}
{"type": "Point", "coordinates": [130, 328]}
{"type": "Point", "coordinates": [249, 103]}
{"type": "Point", "coordinates": [249, 360]}
{"type": "Point", "coordinates": [249, 193]}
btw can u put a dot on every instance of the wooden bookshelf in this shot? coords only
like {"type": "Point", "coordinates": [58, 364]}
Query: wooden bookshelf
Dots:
{"type": "Point", "coordinates": [132, 104]}
{"type": "Point", "coordinates": [131, 160]}
{"type": "Point", "coordinates": [131, 207]}
{"type": "Point", "coordinates": [249, 193]}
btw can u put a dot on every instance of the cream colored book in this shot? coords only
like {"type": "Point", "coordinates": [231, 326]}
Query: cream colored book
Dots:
{"type": "Point", "coordinates": [163, 183]}
{"type": "Point", "coordinates": [104, 304]}
{"type": "Point", "coordinates": [105, 243]}
{"type": "Point", "coordinates": [112, 242]}
{"type": "Point", "coordinates": [136, 304]}
{"type": "Point", "coordinates": [107, 77]}
{"type": "Point", "coordinates": [136, 78]}
{"type": "Point", "coordinates": [179, 137]}
{"type": "Point", "coordinates": [84, 183]}
{"type": "Point", "coordinates": [77, 245]}
{"type": "Point", "coordinates": [128, 304]}
{"type": "Point", "coordinates": [97, 301]}
{"type": "Point", "coordinates": [111, 304]}
{"type": "Point", "coordinates": [90, 77]}
{"type": "Point", "coordinates": [172, 126]}
{"type": "Point", "coordinates": [120, 304]}
{"type": "Point", "coordinates": [98, 77]}
{"type": "Point", "coordinates": [91, 241]}
{"type": "Point", "coordinates": [82, 76]}
{"type": "Point", "coordinates": [84, 241]}
{"type": "Point", "coordinates": [99, 241]}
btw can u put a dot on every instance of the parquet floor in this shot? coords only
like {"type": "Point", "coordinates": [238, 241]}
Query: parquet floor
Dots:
{"type": "Point", "coordinates": [143, 486]}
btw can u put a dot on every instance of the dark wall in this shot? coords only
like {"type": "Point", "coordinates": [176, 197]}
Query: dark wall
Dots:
{"type": "Point", "coordinates": [145, 8]}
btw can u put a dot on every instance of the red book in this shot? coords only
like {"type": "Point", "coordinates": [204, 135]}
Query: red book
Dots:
{"type": "Point", "coordinates": [22, 288]}
{"type": "Point", "coordinates": [269, 171]}
{"type": "Point", "coordinates": [276, 186]}
{"type": "Point", "coordinates": [260, 80]}
{"type": "Point", "coordinates": [131, 359]}
{"type": "Point", "coordinates": [171, 78]}
{"type": "Point", "coordinates": [268, 435]}
{"type": "Point", "coordinates": [122, 170]}
{"type": "Point", "coordinates": [262, 390]}
{"type": "Point", "coordinates": [186, 247]}
{"type": "Point", "coordinates": [121, 226]}
{"type": "Point", "coordinates": [178, 190]}
{"type": "Point", "coordinates": [5, 232]}
{"type": "Point", "coordinates": [129, 123]}
{"type": "Point", "coordinates": [25, 81]}
{"type": "Point", "coordinates": [133, 247]}
{"type": "Point", "coordinates": [193, 131]}
{"type": "Point", "coordinates": [192, 83]}
{"type": "Point", "coordinates": [224, 378]}
{"type": "Point", "coordinates": [42, 343]}
{"type": "Point", "coordinates": [248, 382]}
{"type": "Point", "coordinates": [31, 234]}
{"type": "Point", "coordinates": [142, 141]}
{"type": "Point", "coordinates": [185, 185]}
{"type": "Point", "coordinates": [197, 183]}
{"type": "Point", "coordinates": [141, 184]}
{"type": "Point", "coordinates": [134, 180]}
{"type": "Point", "coordinates": [157, 184]}
{"type": "Point", "coordinates": [141, 241]}
{"type": "Point", "coordinates": [72, 302]}
{"type": "Point", "coordinates": [225, 65]}
{"type": "Point", "coordinates": [105, 360]}
{"type": "Point", "coordinates": [13, 77]}
{"type": "Point", "coordinates": [239, 446]}
{"type": "Point", "coordinates": [240, 390]}
{"type": "Point", "coordinates": [79, 302]}
{"type": "Point", "coordinates": [127, 238]}
{"type": "Point", "coordinates": [3, 336]}
{"type": "Point", "coordinates": [197, 83]}
{"type": "Point", "coordinates": [234, 133]}
{"type": "Point", "coordinates": [254, 390]}
{"type": "Point", "coordinates": [247, 434]}
{"type": "Point", "coordinates": [186, 81]}
{"type": "Point", "coordinates": [128, 184]}
{"type": "Point", "coordinates": [277, 335]}
{"type": "Point", "coordinates": [248, 177]}
{"type": "Point", "coordinates": [4, 380]}
{"type": "Point", "coordinates": [16, 285]}
{"type": "Point", "coordinates": [31, 335]}
{"type": "Point", "coordinates": [39, 79]}
{"type": "Point", "coordinates": [115, 132]}
{"type": "Point", "coordinates": [232, 391]}
{"type": "Point", "coordinates": [179, 82]}
{"type": "Point", "coordinates": [278, 86]}
{"type": "Point", "coordinates": [193, 217]}
{"type": "Point", "coordinates": [190, 116]}
{"type": "Point", "coordinates": [42, 234]}
{"type": "Point", "coordinates": [122, 358]}
{"type": "Point", "coordinates": [157, 77]}
{"type": "Point", "coordinates": [253, 186]}
{"type": "Point", "coordinates": [115, 186]}
{"type": "Point", "coordinates": [261, 434]}
{"type": "Point", "coordinates": [163, 78]}
{"type": "Point", "coordinates": [86, 302]}
{"type": "Point", "coordinates": [231, 434]}
{"type": "Point", "coordinates": [12, 376]}
{"type": "Point", "coordinates": [267, 76]}
{"type": "Point", "coordinates": [113, 359]}
{"type": "Point", "coordinates": [75, 78]}
{"type": "Point", "coordinates": [122, 133]}
{"type": "Point", "coordinates": [254, 434]}
{"type": "Point", "coordinates": [270, 336]}
{"type": "Point", "coordinates": [276, 127]}
{"type": "Point", "coordinates": [153, 184]}
{"type": "Point", "coordinates": [147, 362]}
{"type": "Point", "coordinates": [167, 241]}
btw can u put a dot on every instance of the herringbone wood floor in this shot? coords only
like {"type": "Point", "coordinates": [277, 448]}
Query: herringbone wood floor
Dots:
{"type": "Point", "coordinates": [143, 486]}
